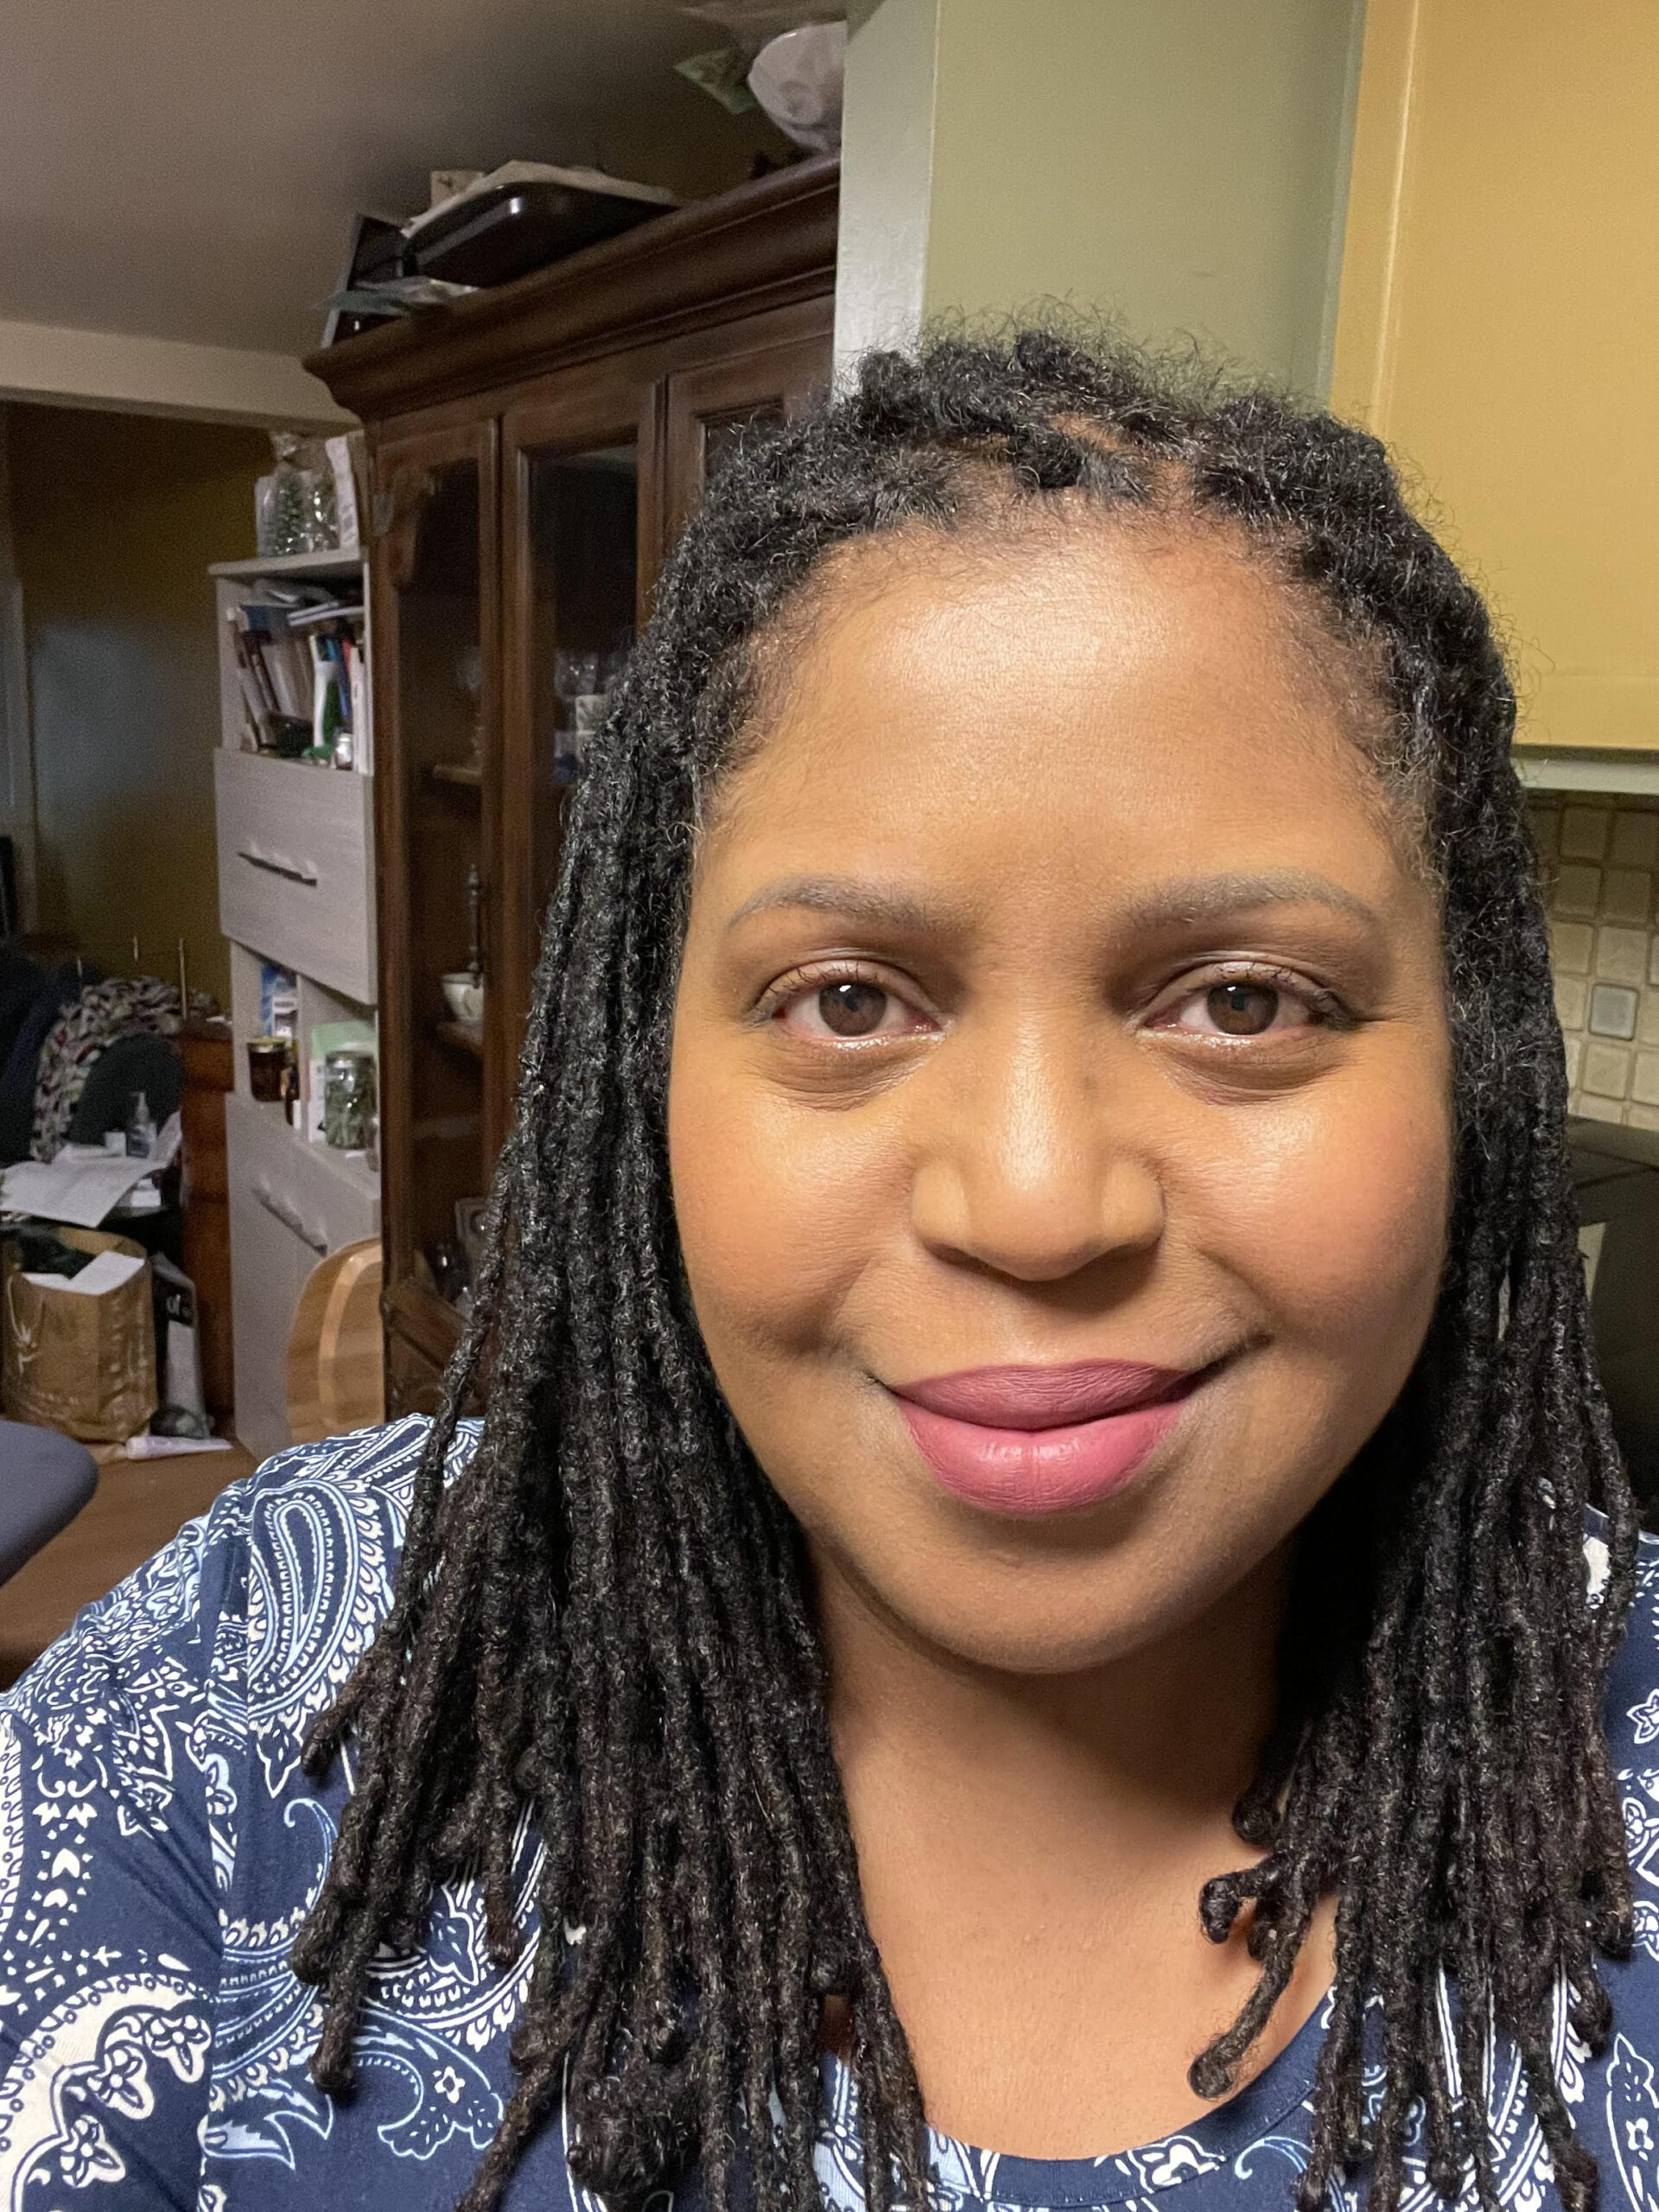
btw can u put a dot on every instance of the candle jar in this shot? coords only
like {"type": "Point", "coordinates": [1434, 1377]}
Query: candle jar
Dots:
{"type": "Point", "coordinates": [270, 1061]}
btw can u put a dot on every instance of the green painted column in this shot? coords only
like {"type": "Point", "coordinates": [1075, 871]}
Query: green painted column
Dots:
{"type": "Point", "coordinates": [1180, 165]}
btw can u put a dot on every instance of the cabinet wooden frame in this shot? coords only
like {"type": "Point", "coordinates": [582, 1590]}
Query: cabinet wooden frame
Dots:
{"type": "Point", "coordinates": [596, 406]}
{"type": "Point", "coordinates": [406, 470]}
{"type": "Point", "coordinates": [777, 365]}
{"type": "Point", "coordinates": [653, 338]}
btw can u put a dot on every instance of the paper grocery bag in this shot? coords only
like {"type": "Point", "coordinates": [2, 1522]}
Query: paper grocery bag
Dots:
{"type": "Point", "coordinates": [85, 1364]}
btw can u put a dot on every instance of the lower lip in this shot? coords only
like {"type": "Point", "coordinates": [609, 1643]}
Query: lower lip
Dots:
{"type": "Point", "coordinates": [1039, 1470]}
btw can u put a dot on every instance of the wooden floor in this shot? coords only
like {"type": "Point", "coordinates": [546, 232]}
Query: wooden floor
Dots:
{"type": "Point", "coordinates": [138, 1504]}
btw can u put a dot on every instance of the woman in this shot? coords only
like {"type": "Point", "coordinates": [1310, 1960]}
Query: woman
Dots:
{"type": "Point", "coordinates": [1039, 1380]}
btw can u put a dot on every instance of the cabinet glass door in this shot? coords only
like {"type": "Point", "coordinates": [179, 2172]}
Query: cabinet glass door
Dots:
{"type": "Point", "coordinates": [584, 563]}
{"type": "Point", "coordinates": [436, 590]}
{"type": "Point", "coordinates": [751, 383]}
{"type": "Point", "coordinates": [577, 476]}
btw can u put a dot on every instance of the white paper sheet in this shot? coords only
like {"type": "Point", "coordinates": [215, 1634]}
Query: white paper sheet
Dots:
{"type": "Point", "coordinates": [104, 1271]}
{"type": "Point", "coordinates": [80, 1190]}
{"type": "Point", "coordinates": [145, 1446]}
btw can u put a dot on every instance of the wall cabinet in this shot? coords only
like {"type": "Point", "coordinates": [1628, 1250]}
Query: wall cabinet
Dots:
{"type": "Point", "coordinates": [1498, 320]}
{"type": "Point", "coordinates": [534, 450]}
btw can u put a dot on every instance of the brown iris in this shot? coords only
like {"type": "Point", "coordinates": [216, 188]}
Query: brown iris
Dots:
{"type": "Point", "coordinates": [851, 1009]}
{"type": "Point", "coordinates": [1242, 1009]}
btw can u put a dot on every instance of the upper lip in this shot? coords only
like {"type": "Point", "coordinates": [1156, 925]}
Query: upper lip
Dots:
{"type": "Point", "coordinates": [1046, 1397]}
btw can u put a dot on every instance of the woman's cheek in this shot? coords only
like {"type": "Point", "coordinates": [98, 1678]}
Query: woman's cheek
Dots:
{"type": "Point", "coordinates": [779, 1208]}
{"type": "Point", "coordinates": [1338, 1212]}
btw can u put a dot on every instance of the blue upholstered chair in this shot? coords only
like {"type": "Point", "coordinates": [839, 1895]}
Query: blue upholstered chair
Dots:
{"type": "Point", "coordinates": [44, 1479]}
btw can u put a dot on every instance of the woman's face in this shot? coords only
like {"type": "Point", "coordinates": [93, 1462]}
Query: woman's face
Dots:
{"type": "Point", "coordinates": [1058, 1113]}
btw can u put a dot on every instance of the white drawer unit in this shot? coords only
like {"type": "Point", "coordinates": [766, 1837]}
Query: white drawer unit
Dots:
{"type": "Point", "coordinates": [294, 867]}
{"type": "Point", "coordinates": [297, 901]}
{"type": "Point", "coordinates": [291, 1204]}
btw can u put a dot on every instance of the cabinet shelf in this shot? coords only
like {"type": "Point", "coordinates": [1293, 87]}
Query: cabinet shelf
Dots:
{"type": "Point", "coordinates": [465, 1036]}
{"type": "Point", "coordinates": [331, 562]}
{"type": "Point", "coordinates": [468, 773]}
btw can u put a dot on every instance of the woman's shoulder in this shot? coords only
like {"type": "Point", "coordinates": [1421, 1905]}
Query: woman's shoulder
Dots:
{"type": "Point", "coordinates": [1632, 1716]}
{"type": "Point", "coordinates": [159, 1841]}
{"type": "Point", "coordinates": [294, 1564]}
{"type": "Point", "coordinates": [312, 1542]}
{"type": "Point", "coordinates": [1632, 1708]}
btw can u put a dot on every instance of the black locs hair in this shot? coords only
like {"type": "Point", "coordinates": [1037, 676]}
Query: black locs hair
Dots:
{"type": "Point", "coordinates": [604, 1621]}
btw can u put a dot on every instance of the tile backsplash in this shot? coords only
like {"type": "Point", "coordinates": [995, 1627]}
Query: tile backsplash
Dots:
{"type": "Point", "coordinates": [1600, 858]}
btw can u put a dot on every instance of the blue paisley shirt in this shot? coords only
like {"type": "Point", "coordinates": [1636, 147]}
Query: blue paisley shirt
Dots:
{"type": "Point", "coordinates": [159, 1845]}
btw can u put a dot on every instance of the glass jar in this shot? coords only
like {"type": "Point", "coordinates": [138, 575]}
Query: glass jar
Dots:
{"type": "Point", "coordinates": [270, 1059]}
{"type": "Point", "coordinates": [349, 1100]}
{"type": "Point", "coordinates": [294, 506]}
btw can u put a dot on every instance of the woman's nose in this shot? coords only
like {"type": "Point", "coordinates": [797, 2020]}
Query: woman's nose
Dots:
{"type": "Point", "coordinates": [1029, 1172]}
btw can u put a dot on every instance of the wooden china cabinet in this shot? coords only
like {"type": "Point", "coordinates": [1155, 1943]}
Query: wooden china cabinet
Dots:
{"type": "Point", "coordinates": [533, 451]}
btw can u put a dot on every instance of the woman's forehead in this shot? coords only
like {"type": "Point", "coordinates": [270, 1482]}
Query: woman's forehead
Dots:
{"type": "Point", "coordinates": [1143, 691]}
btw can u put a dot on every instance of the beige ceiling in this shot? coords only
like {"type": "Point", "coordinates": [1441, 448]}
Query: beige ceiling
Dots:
{"type": "Point", "coordinates": [188, 168]}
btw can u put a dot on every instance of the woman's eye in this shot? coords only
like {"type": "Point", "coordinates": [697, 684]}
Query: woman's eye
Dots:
{"type": "Point", "coordinates": [1244, 1007]}
{"type": "Point", "coordinates": [847, 1009]}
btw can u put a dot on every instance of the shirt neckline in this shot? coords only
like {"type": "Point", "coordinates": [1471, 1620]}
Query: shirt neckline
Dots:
{"type": "Point", "coordinates": [1233, 2135]}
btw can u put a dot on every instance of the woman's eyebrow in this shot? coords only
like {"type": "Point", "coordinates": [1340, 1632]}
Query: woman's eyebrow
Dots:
{"type": "Point", "coordinates": [1213, 898]}
{"type": "Point", "coordinates": [1169, 905]}
{"type": "Point", "coordinates": [882, 905]}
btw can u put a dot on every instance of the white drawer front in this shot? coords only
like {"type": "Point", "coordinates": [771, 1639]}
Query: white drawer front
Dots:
{"type": "Point", "coordinates": [329, 1207]}
{"type": "Point", "coordinates": [268, 1271]}
{"type": "Point", "coordinates": [289, 1207]}
{"type": "Point", "coordinates": [268, 1266]}
{"type": "Point", "coordinates": [296, 868]}
{"type": "Point", "coordinates": [300, 1184]}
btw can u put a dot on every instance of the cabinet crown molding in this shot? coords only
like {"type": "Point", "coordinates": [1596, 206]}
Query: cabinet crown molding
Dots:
{"type": "Point", "coordinates": [760, 245]}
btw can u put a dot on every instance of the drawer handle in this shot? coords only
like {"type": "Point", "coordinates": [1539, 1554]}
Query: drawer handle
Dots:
{"type": "Point", "coordinates": [278, 864]}
{"type": "Point", "coordinates": [289, 1217]}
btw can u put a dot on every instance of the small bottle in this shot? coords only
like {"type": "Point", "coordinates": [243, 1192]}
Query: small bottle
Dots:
{"type": "Point", "coordinates": [141, 1128]}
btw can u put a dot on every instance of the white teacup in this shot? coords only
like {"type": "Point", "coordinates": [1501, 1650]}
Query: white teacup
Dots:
{"type": "Point", "coordinates": [465, 993]}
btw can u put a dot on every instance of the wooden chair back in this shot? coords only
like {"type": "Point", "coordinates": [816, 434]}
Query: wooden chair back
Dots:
{"type": "Point", "coordinates": [336, 1366]}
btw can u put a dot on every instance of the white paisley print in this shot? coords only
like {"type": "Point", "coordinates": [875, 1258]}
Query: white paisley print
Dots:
{"type": "Point", "coordinates": [160, 1843]}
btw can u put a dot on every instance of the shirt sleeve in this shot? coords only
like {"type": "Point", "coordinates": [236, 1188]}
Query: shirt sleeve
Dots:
{"type": "Point", "coordinates": [110, 1925]}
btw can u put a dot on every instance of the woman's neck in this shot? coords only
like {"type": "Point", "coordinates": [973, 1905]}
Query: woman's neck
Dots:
{"type": "Point", "coordinates": [1031, 1848]}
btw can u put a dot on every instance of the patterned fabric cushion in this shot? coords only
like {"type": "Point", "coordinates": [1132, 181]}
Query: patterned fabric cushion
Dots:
{"type": "Point", "coordinates": [102, 1012]}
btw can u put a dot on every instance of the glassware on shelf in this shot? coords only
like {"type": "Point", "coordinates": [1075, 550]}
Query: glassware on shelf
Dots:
{"type": "Point", "coordinates": [451, 1276]}
{"type": "Point", "coordinates": [574, 673]}
{"type": "Point", "coordinates": [294, 508]}
{"type": "Point", "coordinates": [581, 684]}
{"type": "Point", "coordinates": [475, 924]}
{"type": "Point", "coordinates": [270, 1061]}
{"type": "Point", "coordinates": [349, 1100]}
{"type": "Point", "coordinates": [469, 675]}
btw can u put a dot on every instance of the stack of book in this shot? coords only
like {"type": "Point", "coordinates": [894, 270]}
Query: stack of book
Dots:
{"type": "Point", "coordinates": [303, 677]}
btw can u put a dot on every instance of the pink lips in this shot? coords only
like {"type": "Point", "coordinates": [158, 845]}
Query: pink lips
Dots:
{"type": "Point", "coordinates": [1043, 1440]}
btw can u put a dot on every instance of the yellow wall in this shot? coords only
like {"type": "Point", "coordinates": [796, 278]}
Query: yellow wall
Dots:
{"type": "Point", "coordinates": [1499, 324]}
{"type": "Point", "coordinates": [115, 518]}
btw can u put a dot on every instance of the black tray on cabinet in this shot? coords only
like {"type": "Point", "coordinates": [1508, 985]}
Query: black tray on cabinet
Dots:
{"type": "Point", "coordinates": [490, 238]}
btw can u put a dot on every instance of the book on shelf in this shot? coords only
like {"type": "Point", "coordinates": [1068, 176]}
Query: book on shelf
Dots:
{"type": "Point", "coordinates": [299, 658]}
